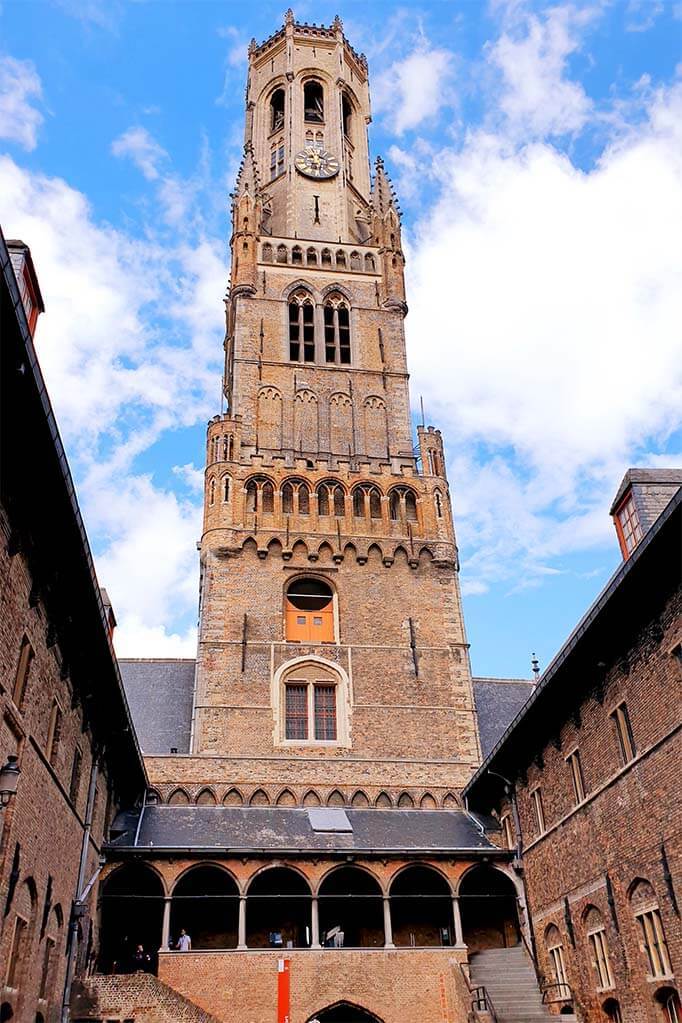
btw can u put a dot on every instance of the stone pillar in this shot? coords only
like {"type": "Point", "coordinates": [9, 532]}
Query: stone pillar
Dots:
{"type": "Point", "coordinates": [315, 921]}
{"type": "Point", "coordinates": [459, 936]}
{"type": "Point", "coordinates": [165, 926]}
{"type": "Point", "coordinates": [241, 933]}
{"type": "Point", "coordinates": [388, 926]}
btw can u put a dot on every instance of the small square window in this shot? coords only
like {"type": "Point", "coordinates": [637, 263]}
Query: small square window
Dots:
{"type": "Point", "coordinates": [316, 620]}
{"type": "Point", "coordinates": [300, 619]}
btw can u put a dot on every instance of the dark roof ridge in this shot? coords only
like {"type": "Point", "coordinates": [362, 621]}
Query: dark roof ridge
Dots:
{"type": "Point", "coordinates": [511, 681]}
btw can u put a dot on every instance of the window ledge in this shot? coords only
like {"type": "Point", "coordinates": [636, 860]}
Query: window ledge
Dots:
{"type": "Point", "coordinates": [657, 980]}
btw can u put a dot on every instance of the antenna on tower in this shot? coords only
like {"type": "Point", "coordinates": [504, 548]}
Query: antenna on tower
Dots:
{"type": "Point", "coordinates": [535, 664]}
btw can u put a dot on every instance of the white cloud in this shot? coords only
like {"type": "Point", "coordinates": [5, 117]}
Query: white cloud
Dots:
{"type": "Point", "coordinates": [139, 146]}
{"type": "Point", "coordinates": [416, 88]}
{"type": "Point", "coordinates": [192, 477]}
{"type": "Point", "coordinates": [20, 87]}
{"type": "Point", "coordinates": [537, 99]}
{"type": "Point", "coordinates": [544, 332]}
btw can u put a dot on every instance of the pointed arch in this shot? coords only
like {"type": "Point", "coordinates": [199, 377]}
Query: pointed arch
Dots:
{"type": "Point", "coordinates": [306, 424]}
{"type": "Point", "coordinates": [450, 802]}
{"type": "Point", "coordinates": [359, 800]}
{"type": "Point", "coordinates": [400, 556]}
{"type": "Point", "coordinates": [341, 424]}
{"type": "Point", "coordinates": [405, 801]}
{"type": "Point", "coordinates": [383, 801]}
{"type": "Point", "coordinates": [233, 797]}
{"type": "Point", "coordinates": [300, 549]}
{"type": "Point", "coordinates": [311, 798]}
{"type": "Point", "coordinates": [427, 802]}
{"type": "Point", "coordinates": [335, 798]}
{"type": "Point", "coordinates": [338, 1012]}
{"type": "Point", "coordinates": [269, 421]}
{"type": "Point", "coordinates": [249, 546]}
{"type": "Point", "coordinates": [286, 798]}
{"type": "Point", "coordinates": [206, 798]}
{"type": "Point", "coordinates": [375, 555]}
{"type": "Point", "coordinates": [178, 798]}
{"type": "Point", "coordinates": [275, 548]}
{"type": "Point", "coordinates": [259, 798]}
{"type": "Point", "coordinates": [375, 426]}
{"type": "Point", "coordinates": [350, 551]}
{"type": "Point", "coordinates": [325, 551]}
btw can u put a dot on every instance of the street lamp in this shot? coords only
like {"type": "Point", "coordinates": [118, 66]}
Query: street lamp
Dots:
{"type": "Point", "coordinates": [9, 777]}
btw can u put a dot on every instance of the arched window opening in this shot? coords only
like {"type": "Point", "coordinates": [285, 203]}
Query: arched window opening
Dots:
{"type": "Point", "coordinates": [559, 990]}
{"type": "Point", "coordinates": [669, 1003]}
{"type": "Point", "coordinates": [226, 488]}
{"type": "Point", "coordinates": [355, 261]}
{"type": "Point", "coordinates": [251, 496]}
{"type": "Point", "coordinates": [278, 910]}
{"type": "Point", "coordinates": [309, 612]}
{"type": "Point", "coordinates": [311, 257]}
{"type": "Point", "coordinates": [287, 499]}
{"type": "Point", "coordinates": [267, 253]}
{"type": "Point", "coordinates": [652, 939]}
{"type": "Point", "coordinates": [277, 110]}
{"type": "Point", "coordinates": [421, 908]}
{"type": "Point", "coordinates": [132, 893]}
{"type": "Point", "coordinates": [370, 265]}
{"type": "Point", "coordinates": [337, 331]}
{"type": "Point", "coordinates": [326, 257]}
{"type": "Point", "coordinates": [205, 905]}
{"type": "Point", "coordinates": [313, 102]}
{"type": "Point", "coordinates": [611, 1009]}
{"type": "Point", "coordinates": [281, 253]}
{"type": "Point", "coordinates": [341, 259]}
{"type": "Point", "coordinates": [347, 115]}
{"type": "Point", "coordinates": [268, 494]}
{"type": "Point", "coordinates": [344, 1012]}
{"type": "Point", "coordinates": [596, 936]}
{"type": "Point", "coordinates": [488, 906]}
{"type": "Point", "coordinates": [211, 492]}
{"type": "Point", "coordinates": [439, 504]}
{"type": "Point", "coordinates": [351, 910]}
{"type": "Point", "coordinates": [303, 499]}
{"type": "Point", "coordinates": [323, 500]}
{"type": "Point", "coordinates": [301, 327]}
{"type": "Point", "coordinates": [359, 503]}
{"type": "Point", "coordinates": [297, 255]}
{"type": "Point", "coordinates": [374, 503]}
{"type": "Point", "coordinates": [339, 502]}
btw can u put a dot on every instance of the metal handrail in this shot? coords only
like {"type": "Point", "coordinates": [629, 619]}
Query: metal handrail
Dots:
{"type": "Point", "coordinates": [564, 992]}
{"type": "Point", "coordinates": [482, 1002]}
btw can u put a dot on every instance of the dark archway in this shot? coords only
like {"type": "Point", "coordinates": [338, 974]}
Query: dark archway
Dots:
{"type": "Point", "coordinates": [6, 1012]}
{"type": "Point", "coordinates": [131, 914]}
{"type": "Point", "coordinates": [351, 910]}
{"type": "Point", "coordinates": [278, 909]}
{"type": "Point", "coordinates": [205, 905]}
{"type": "Point", "coordinates": [344, 1012]}
{"type": "Point", "coordinates": [421, 908]}
{"type": "Point", "coordinates": [490, 918]}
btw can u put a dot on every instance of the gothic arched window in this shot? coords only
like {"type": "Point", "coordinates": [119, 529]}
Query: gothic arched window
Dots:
{"type": "Point", "coordinates": [347, 115]}
{"type": "Point", "coordinates": [313, 101]}
{"type": "Point", "coordinates": [297, 255]}
{"type": "Point", "coordinates": [326, 257]}
{"type": "Point", "coordinates": [355, 261]}
{"type": "Point", "coordinates": [367, 500]}
{"type": "Point", "coordinates": [403, 504]}
{"type": "Point", "coordinates": [337, 330]}
{"type": "Point", "coordinates": [341, 259]}
{"type": "Point", "coordinates": [331, 499]}
{"type": "Point", "coordinates": [311, 257]}
{"type": "Point", "coordinates": [301, 327]}
{"type": "Point", "coordinates": [370, 266]}
{"type": "Point", "coordinates": [259, 495]}
{"type": "Point", "coordinates": [277, 110]}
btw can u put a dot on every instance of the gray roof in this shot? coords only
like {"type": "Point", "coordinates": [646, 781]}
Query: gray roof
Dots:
{"type": "Point", "coordinates": [668, 479]}
{"type": "Point", "coordinates": [498, 701]}
{"type": "Point", "coordinates": [160, 693]}
{"type": "Point", "coordinates": [279, 829]}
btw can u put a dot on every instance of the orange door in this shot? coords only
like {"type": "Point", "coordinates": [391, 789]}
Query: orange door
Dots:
{"type": "Point", "coordinates": [310, 626]}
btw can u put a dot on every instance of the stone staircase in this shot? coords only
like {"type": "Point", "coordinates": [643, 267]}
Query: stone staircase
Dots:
{"type": "Point", "coordinates": [508, 976]}
{"type": "Point", "coordinates": [135, 996]}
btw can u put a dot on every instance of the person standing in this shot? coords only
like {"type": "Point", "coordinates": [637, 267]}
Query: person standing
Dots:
{"type": "Point", "coordinates": [184, 942]}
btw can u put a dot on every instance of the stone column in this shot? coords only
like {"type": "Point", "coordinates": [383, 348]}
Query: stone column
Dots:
{"type": "Point", "coordinates": [241, 933]}
{"type": "Point", "coordinates": [165, 926]}
{"type": "Point", "coordinates": [315, 921]}
{"type": "Point", "coordinates": [388, 926]}
{"type": "Point", "coordinates": [459, 936]}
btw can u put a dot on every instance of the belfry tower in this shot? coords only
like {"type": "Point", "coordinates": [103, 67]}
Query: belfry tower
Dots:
{"type": "Point", "coordinates": [309, 835]}
{"type": "Point", "coordinates": [332, 654]}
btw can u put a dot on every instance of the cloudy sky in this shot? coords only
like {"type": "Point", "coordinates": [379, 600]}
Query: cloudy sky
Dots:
{"type": "Point", "coordinates": [537, 151]}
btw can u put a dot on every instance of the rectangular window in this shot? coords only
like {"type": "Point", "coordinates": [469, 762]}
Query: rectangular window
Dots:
{"type": "Point", "coordinates": [576, 776]}
{"type": "Point", "coordinates": [308, 333]}
{"type": "Point", "coordinates": [16, 954]}
{"type": "Point", "coordinates": [536, 795]}
{"type": "Point", "coordinates": [45, 974]}
{"type": "Point", "coordinates": [296, 711]}
{"type": "Point", "coordinates": [75, 776]}
{"type": "Point", "coordinates": [23, 668]}
{"type": "Point", "coordinates": [273, 164]}
{"type": "Point", "coordinates": [624, 732]}
{"type": "Point", "coordinates": [600, 959]}
{"type": "Point", "coordinates": [629, 529]}
{"type": "Point", "coordinates": [654, 944]}
{"type": "Point", "coordinates": [507, 831]}
{"type": "Point", "coordinates": [325, 712]}
{"type": "Point", "coordinates": [559, 969]}
{"type": "Point", "coordinates": [280, 160]}
{"type": "Point", "coordinates": [54, 733]}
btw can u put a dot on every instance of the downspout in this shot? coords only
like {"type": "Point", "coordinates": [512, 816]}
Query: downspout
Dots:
{"type": "Point", "coordinates": [78, 906]}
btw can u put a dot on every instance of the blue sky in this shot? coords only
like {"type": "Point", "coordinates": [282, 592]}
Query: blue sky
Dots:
{"type": "Point", "coordinates": [537, 152]}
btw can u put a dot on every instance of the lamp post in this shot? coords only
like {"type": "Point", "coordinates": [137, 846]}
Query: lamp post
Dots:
{"type": "Point", "coordinates": [9, 777]}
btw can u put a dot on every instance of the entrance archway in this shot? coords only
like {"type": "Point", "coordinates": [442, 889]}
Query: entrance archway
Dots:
{"type": "Point", "coordinates": [421, 908]}
{"type": "Point", "coordinates": [351, 910]}
{"type": "Point", "coordinates": [131, 915]}
{"type": "Point", "coordinates": [344, 1012]}
{"type": "Point", "coordinates": [490, 917]}
{"type": "Point", "coordinates": [205, 905]}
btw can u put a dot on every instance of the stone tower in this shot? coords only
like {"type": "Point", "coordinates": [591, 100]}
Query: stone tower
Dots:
{"type": "Point", "coordinates": [332, 663]}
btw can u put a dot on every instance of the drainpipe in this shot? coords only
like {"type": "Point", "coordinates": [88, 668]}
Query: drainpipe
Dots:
{"type": "Point", "coordinates": [79, 905]}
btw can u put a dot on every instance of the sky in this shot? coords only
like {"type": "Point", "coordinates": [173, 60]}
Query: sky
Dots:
{"type": "Point", "coordinates": [537, 153]}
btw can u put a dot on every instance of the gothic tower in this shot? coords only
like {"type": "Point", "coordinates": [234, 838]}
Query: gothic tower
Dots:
{"type": "Point", "coordinates": [332, 652]}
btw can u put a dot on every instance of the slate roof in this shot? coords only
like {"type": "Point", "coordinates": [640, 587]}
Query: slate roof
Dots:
{"type": "Point", "coordinates": [160, 693]}
{"type": "Point", "coordinates": [498, 701]}
{"type": "Point", "coordinates": [278, 829]}
{"type": "Point", "coordinates": [668, 478]}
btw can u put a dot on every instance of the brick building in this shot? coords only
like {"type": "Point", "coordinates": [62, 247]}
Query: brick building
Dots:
{"type": "Point", "coordinates": [586, 781]}
{"type": "Point", "coordinates": [63, 712]}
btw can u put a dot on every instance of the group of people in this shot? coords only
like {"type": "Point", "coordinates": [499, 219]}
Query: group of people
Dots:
{"type": "Point", "coordinates": [142, 961]}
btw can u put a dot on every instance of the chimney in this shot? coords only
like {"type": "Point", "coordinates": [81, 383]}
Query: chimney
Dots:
{"type": "Point", "coordinates": [642, 496]}
{"type": "Point", "coordinates": [27, 279]}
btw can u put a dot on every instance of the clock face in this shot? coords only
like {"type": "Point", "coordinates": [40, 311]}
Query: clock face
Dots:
{"type": "Point", "coordinates": [315, 162]}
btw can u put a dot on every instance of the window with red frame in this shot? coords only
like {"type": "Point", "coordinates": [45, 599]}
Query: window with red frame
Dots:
{"type": "Point", "coordinates": [629, 529]}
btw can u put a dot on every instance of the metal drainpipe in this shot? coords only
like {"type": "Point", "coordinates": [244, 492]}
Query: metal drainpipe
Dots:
{"type": "Point", "coordinates": [78, 906]}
